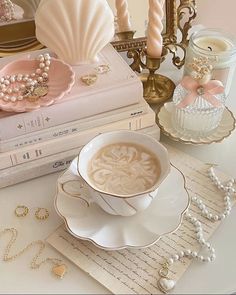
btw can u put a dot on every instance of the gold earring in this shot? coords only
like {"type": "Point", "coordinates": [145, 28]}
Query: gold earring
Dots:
{"type": "Point", "coordinates": [89, 79]}
{"type": "Point", "coordinates": [41, 214]}
{"type": "Point", "coordinates": [21, 211]}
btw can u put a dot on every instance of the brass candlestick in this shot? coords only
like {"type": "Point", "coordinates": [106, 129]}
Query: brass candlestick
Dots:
{"type": "Point", "coordinates": [157, 88]}
{"type": "Point", "coordinates": [127, 35]}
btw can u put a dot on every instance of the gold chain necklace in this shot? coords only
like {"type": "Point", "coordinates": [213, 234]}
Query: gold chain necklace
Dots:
{"type": "Point", "coordinates": [59, 269]}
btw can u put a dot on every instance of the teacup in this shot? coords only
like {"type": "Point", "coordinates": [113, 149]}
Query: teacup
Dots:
{"type": "Point", "coordinates": [112, 203]}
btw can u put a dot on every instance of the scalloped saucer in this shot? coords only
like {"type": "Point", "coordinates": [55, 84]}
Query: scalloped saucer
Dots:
{"type": "Point", "coordinates": [224, 130]}
{"type": "Point", "coordinates": [109, 232]}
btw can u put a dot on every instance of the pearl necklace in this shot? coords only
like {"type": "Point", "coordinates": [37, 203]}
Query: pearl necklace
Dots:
{"type": "Point", "coordinates": [165, 284]}
{"type": "Point", "coordinates": [8, 8]}
{"type": "Point", "coordinates": [18, 87]}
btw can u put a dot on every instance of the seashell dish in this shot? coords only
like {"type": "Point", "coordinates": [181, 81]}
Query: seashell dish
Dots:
{"type": "Point", "coordinates": [61, 80]}
{"type": "Point", "coordinates": [75, 30]}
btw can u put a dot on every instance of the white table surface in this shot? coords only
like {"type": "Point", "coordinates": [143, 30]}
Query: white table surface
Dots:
{"type": "Point", "coordinates": [17, 277]}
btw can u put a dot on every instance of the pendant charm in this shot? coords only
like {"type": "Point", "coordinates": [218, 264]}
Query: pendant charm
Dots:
{"type": "Point", "coordinates": [59, 271]}
{"type": "Point", "coordinates": [34, 93]}
{"type": "Point", "coordinates": [166, 285]}
{"type": "Point", "coordinates": [41, 90]}
{"type": "Point", "coordinates": [89, 79]}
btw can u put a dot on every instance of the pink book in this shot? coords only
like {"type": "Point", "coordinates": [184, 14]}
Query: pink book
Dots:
{"type": "Point", "coordinates": [118, 88]}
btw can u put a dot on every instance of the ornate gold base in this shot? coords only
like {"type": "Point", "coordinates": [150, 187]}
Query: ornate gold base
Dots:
{"type": "Point", "coordinates": [158, 92]}
{"type": "Point", "coordinates": [127, 35]}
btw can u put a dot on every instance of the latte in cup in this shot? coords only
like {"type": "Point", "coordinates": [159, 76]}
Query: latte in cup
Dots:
{"type": "Point", "coordinates": [121, 171]}
{"type": "Point", "coordinates": [124, 169]}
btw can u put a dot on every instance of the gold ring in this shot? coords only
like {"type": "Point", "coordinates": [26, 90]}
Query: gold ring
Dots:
{"type": "Point", "coordinates": [42, 213]}
{"type": "Point", "coordinates": [89, 79]}
{"type": "Point", "coordinates": [21, 211]}
{"type": "Point", "coordinates": [102, 69]}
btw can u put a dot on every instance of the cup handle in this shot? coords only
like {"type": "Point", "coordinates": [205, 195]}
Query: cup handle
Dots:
{"type": "Point", "coordinates": [80, 190]}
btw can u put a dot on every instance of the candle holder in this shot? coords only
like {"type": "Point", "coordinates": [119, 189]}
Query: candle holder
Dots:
{"type": "Point", "coordinates": [126, 35]}
{"type": "Point", "coordinates": [157, 88]}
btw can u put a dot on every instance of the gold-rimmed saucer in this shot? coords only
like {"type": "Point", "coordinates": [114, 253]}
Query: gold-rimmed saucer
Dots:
{"type": "Point", "coordinates": [224, 130]}
{"type": "Point", "coordinates": [109, 232]}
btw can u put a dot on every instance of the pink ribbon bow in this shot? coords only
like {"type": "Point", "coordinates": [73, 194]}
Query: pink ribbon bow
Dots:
{"type": "Point", "coordinates": [207, 91]}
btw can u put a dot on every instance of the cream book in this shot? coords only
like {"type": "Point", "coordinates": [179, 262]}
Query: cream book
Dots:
{"type": "Point", "coordinates": [74, 127]}
{"type": "Point", "coordinates": [51, 164]}
{"type": "Point", "coordinates": [54, 146]}
{"type": "Point", "coordinates": [133, 271]}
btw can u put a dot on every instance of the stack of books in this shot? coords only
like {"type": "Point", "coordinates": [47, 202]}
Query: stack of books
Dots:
{"type": "Point", "coordinates": [46, 140]}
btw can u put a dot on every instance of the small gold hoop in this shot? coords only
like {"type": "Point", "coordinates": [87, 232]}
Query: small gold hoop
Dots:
{"type": "Point", "coordinates": [21, 211]}
{"type": "Point", "coordinates": [41, 213]}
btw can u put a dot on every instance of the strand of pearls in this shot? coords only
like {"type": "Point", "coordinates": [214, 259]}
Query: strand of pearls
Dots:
{"type": "Point", "coordinates": [200, 238]}
{"type": "Point", "coordinates": [6, 10]}
{"type": "Point", "coordinates": [165, 284]}
{"type": "Point", "coordinates": [228, 188]}
{"type": "Point", "coordinates": [20, 86]}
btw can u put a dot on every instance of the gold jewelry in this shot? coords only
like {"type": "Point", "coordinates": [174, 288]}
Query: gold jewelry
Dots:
{"type": "Point", "coordinates": [41, 213]}
{"type": "Point", "coordinates": [89, 79]}
{"type": "Point", "coordinates": [21, 211]}
{"type": "Point", "coordinates": [59, 269]}
{"type": "Point", "coordinates": [39, 91]}
{"type": "Point", "coordinates": [102, 69]}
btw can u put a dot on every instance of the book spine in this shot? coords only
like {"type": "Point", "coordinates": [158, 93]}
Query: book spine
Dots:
{"type": "Point", "coordinates": [68, 111]}
{"type": "Point", "coordinates": [72, 128]}
{"type": "Point", "coordinates": [47, 148]}
{"type": "Point", "coordinates": [50, 164]}
{"type": "Point", "coordinates": [39, 168]}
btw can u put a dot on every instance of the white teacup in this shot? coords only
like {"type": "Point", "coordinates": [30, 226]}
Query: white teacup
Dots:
{"type": "Point", "coordinates": [117, 204]}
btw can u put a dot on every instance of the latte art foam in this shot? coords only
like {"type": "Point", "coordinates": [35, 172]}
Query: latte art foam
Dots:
{"type": "Point", "coordinates": [124, 169]}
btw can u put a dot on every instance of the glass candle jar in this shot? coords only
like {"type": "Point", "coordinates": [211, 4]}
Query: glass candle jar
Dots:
{"type": "Point", "coordinates": [200, 118]}
{"type": "Point", "coordinates": [220, 48]}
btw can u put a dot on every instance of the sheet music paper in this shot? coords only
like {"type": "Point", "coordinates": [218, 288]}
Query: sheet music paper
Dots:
{"type": "Point", "coordinates": [136, 271]}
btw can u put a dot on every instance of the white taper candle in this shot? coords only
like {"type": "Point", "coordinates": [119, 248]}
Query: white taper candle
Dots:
{"type": "Point", "coordinates": [155, 28]}
{"type": "Point", "coordinates": [123, 16]}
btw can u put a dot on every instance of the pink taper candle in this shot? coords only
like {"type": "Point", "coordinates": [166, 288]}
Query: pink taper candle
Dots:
{"type": "Point", "coordinates": [155, 27]}
{"type": "Point", "coordinates": [123, 17]}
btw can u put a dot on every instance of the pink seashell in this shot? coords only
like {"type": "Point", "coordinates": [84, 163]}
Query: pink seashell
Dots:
{"type": "Point", "coordinates": [61, 80]}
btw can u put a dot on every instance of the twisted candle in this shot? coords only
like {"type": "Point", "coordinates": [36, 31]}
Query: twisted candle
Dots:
{"type": "Point", "coordinates": [155, 27]}
{"type": "Point", "coordinates": [123, 17]}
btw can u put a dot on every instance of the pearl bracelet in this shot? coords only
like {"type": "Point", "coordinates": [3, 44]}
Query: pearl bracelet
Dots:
{"type": "Point", "coordinates": [165, 284]}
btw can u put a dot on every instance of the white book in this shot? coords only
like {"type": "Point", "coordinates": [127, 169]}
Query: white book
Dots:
{"type": "Point", "coordinates": [74, 127]}
{"type": "Point", "coordinates": [51, 164]}
{"type": "Point", "coordinates": [51, 147]}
